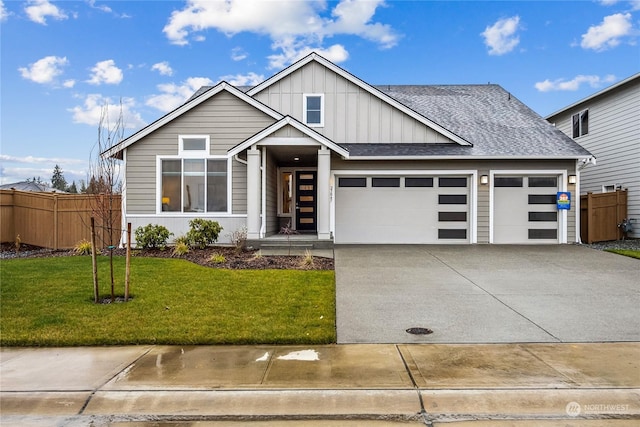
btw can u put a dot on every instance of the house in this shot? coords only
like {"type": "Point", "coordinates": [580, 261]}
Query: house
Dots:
{"type": "Point", "coordinates": [607, 124]}
{"type": "Point", "coordinates": [348, 162]}
{"type": "Point", "coordinates": [31, 186]}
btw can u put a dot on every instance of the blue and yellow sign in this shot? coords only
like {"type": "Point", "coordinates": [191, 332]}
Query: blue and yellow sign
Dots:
{"type": "Point", "coordinates": [563, 200]}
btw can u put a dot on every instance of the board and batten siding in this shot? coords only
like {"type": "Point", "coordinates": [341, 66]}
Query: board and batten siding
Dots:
{"type": "Point", "coordinates": [483, 167]}
{"type": "Point", "coordinates": [614, 139]}
{"type": "Point", "coordinates": [226, 119]}
{"type": "Point", "coordinates": [351, 114]}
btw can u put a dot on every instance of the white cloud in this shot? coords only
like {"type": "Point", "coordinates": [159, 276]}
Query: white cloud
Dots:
{"type": "Point", "coordinates": [163, 68]}
{"type": "Point", "coordinates": [105, 72]}
{"type": "Point", "coordinates": [608, 33]}
{"type": "Point", "coordinates": [101, 7]}
{"type": "Point", "coordinates": [291, 25]}
{"type": "Point", "coordinates": [238, 54]}
{"type": "Point", "coordinates": [69, 83]}
{"type": "Point", "coordinates": [39, 10]}
{"type": "Point", "coordinates": [250, 79]}
{"type": "Point", "coordinates": [293, 50]}
{"type": "Point", "coordinates": [174, 95]}
{"type": "Point", "coordinates": [4, 15]}
{"type": "Point", "coordinates": [44, 70]}
{"type": "Point", "coordinates": [575, 83]}
{"type": "Point", "coordinates": [91, 111]}
{"type": "Point", "coordinates": [501, 37]}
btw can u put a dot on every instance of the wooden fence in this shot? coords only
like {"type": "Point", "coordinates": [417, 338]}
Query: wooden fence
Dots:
{"type": "Point", "coordinates": [56, 221]}
{"type": "Point", "coordinates": [600, 215]}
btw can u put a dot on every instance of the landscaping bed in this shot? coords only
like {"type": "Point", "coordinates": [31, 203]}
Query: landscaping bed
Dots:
{"type": "Point", "coordinates": [233, 259]}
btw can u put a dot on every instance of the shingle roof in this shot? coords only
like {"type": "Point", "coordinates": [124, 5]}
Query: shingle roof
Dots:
{"type": "Point", "coordinates": [30, 186]}
{"type": "Point", "coordinates": [493, 120]}
{"type": "Point", "coordinates": [489, 117]}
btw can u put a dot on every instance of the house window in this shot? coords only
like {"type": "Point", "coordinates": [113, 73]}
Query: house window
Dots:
{"type": "Point", "coordinates": [313, 109]}
{"type": "Point", "coordinates": [194, 145]}
{"type": "Point", "coordinates": [194, 185]}
{"type": "Point", "coordinates": [580, 123]}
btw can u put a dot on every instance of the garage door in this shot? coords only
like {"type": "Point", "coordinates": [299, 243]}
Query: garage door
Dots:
{"type": "Point", "coordinates": [402, 209]}
{"type": "Point", "coordinates": [525, 209]}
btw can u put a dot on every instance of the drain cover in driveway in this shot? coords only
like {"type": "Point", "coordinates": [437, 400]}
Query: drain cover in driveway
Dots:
{"type": "Point", "coordinates": [419, 331]}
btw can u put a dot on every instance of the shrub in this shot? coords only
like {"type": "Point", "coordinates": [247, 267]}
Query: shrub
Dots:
{"type": "Point", "coordinates": [152, 236]}
{"type": "Point", "coordinates": [217, 258]}
{"type": "Point", "coordinates": [83, 247]}
{"type": "Point", "coordinates": [202, 232]}
{"type": "Point", "coordinates": [239, 239]}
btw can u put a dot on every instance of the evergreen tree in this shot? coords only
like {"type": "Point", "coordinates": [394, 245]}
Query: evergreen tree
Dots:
{"type": "Point", "coordinates": [83, 186]}
{"type": "Point", "coordinates": [72, 188]}
{"type": "Point", "coordinates": [57, 180]}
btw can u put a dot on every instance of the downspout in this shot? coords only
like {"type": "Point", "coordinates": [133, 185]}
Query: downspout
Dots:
{"type": "Point", "coordinates": [239, 160]}
{"type": "Point", "coordinates": [577, 203]}
{"type": "Point", "coordinates": [263, 225]}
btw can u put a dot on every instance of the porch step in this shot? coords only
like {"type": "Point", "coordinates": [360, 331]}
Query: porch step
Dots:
{"type": "Point", "coordinates": [294, 244]}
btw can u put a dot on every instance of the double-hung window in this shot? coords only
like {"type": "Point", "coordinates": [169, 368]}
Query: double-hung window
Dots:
{"type": "Point", "coordinates": [580, 123]}
{"type": "Point", "coordinates": [313, 109]}
{"type": "Point", "coordinates": [194, 181]}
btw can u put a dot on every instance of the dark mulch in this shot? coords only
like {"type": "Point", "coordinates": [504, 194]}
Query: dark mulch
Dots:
{"type": "Point", "coordinates": [244, 260]}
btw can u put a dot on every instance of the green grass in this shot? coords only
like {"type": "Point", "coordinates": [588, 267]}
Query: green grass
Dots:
{"type": "Point", "coordinates": [626, 252]}
{"type": "Point", "coordinates": [49, 302]}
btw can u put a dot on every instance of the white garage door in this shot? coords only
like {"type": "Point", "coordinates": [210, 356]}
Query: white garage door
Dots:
{"type": "Point", "coordinates": [402, 209]}
{"type": "Point", "coordinates": [524, 209]}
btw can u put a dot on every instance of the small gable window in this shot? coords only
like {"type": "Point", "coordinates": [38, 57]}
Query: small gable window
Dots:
{"type": "Point", "coordinates": [194, 144]}
{"type": "Point", "coordinates": [313, 109]}
{"type": "Point", "coordinates": [580, 123]}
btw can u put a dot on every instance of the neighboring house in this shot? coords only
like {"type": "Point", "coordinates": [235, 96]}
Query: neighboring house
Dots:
{"type": "Point", "coordinates": [316, 147]}
{"type": "Point", "coordinates": [607, 124]}
{"type": "Point", "coordinates": [30, 186]}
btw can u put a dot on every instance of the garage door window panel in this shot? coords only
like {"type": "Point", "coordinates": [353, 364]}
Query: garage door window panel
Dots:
{"type": "Point", "coordinates": [542, 199]}
{"type": "Point", "coordinates": [385, 182]}
{"type": "Point", "coordinates": [543, 181]}
{"type": "Point", "coordinates": [352, 182]}
{"type": "Point", "coordinates": [543, 216]}
{"type": "Point", "coordinates": [452, 233]}
{"type": "Point", "coordinates": [543, 234]}
{"type": "Point", "coordinates": [418, 182]}
{"type": "Point", "coordinates": [452, 216]}
{"type": "Point", "coordinates": [452, 182]}
{"type": "Point", "coordinates": [508, 181]}
{"type": "Point", "coordinates": [452, 199]}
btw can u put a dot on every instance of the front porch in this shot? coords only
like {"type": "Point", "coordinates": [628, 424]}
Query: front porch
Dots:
{"type": "Point", "coordinates": [296, 244]}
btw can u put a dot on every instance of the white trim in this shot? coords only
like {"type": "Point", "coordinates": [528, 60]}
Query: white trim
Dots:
{"type": "Point", "coordinates": [284, 141]}
{"type": "Point", "coordinates": [362, 85]}
{"type": "Point", "coordinates": [158, 183]}
{"type": "Point", "coordinates": [472, 202]}
{"type": "Point", "coordinates": [469, 157]}
{"type": "Point", "coordinates": [188, 215]}
{"type": "Point", "coordinates": [577, 203]}
{"type": "Point", "coordinates": [263, 193]}
{"type": "Point", "coordinates": [186, 107]}
{"type": "Point", "coordinates": [194, 153]}
{"type": "Point", "coordinates": [305, 97]}
{"type": "Point", "coordinates": [288, 120]}
{"type": "Point", "coordinates": [123, 196]}
{"type": "Point", "coordinates": [562, 186]}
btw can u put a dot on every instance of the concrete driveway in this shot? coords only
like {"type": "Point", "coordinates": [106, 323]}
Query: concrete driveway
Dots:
{"type": "Point", "coordinates": [485, 294]}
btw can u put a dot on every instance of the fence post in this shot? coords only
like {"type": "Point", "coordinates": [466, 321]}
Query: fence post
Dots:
{"type": "Point", "coordinates": [590, 222]}
{"type": "Point", "coordinates": [55, 221]}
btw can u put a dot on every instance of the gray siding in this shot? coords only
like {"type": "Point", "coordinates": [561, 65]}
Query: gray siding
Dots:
{"type": "Point", "coordinates": [272, 222]}
{"type": "Point", "coordinates": [224, 117]}
{"type": "Point", "coordinates": [483, 167]}
{"type": "Point", "coordinates": [614, 139]}
{"type": "Point", "coordinates": [239, 188]}
{"type": "Point", "coordinates": [352, 115]}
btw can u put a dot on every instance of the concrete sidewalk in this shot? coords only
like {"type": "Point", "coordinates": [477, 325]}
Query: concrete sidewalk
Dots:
{"type": "Point", "coordinates": [435, 384]}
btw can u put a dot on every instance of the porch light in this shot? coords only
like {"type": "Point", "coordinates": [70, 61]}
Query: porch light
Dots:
{"type": "Point", "coordinates": [484, 179]}
{"type": "Point", "coordinates": [572, 179]}
{"type": "Point", "coordinates": [297, 159]}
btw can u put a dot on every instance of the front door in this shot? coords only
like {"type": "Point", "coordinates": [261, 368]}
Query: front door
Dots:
{"type": "Point", "coordinates": [306, 194]}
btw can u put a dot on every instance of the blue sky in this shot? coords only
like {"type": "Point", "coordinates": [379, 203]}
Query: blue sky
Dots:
{"type": "Point", "coordinates": [63, 61]}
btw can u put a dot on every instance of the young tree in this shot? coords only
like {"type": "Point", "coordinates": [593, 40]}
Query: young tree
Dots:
{"type": "Point", "coordinates": [57, 180]}
{"type": "Point", "coordinates": [104, 183]}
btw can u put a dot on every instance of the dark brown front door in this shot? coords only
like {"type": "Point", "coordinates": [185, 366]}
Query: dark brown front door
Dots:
{"type": "Point", "coordinates": [306, 194]}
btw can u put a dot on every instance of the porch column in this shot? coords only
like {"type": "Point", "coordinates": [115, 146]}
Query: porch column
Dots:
{"type": "Point", "coordinates": [324, 175]}
{"type": "Point", "coordinates": [253, 193]}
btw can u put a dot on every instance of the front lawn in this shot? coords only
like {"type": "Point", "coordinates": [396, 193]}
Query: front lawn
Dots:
{"type": "Point", "coordinates": [49, 302]}
{"type": "Point", "coordinates": [626, 252]}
